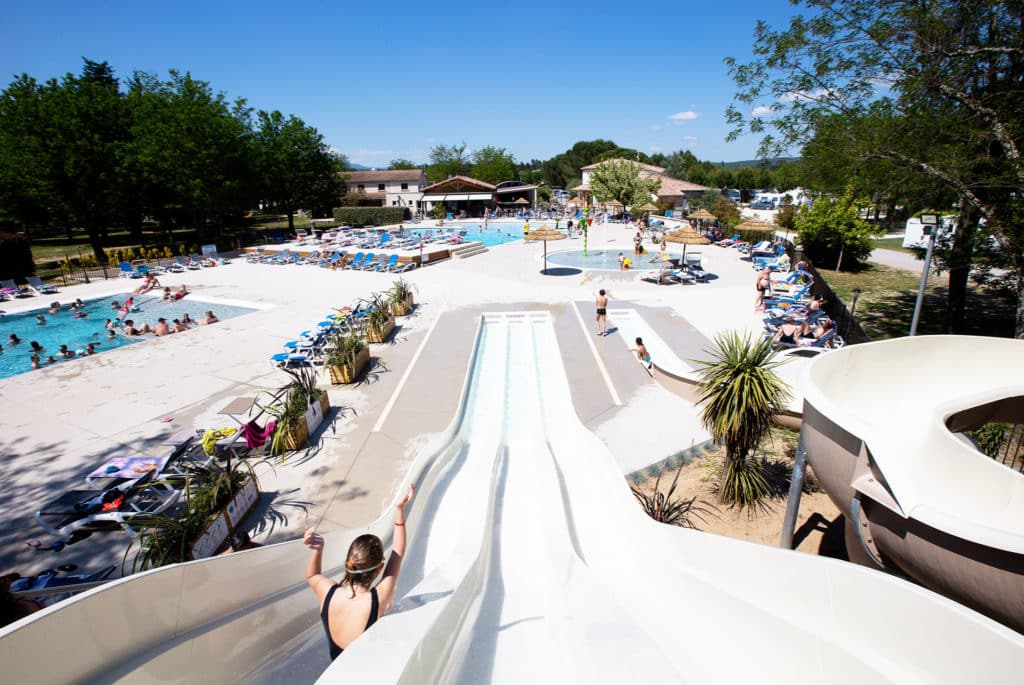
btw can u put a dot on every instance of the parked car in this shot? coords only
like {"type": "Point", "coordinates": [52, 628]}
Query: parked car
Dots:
{"type": "Point", "coordinates": [762, 204]}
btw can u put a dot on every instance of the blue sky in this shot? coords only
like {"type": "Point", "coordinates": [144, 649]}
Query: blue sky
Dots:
{"type": "Point", "coordinates": [385, 80]}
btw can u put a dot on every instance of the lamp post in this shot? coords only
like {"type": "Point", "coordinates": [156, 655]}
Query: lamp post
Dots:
{"type": "Point", "coordinates": [931, 225]}
{"type": "Point", "coordinates": [853, 309]}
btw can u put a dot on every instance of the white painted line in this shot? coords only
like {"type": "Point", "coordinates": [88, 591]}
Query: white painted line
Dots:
{"type": "Point", "coordinates": [401, 384]}
{"type": "Point", "coordinates": [597, 358]}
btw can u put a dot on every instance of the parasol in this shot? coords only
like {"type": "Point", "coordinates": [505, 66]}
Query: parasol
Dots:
{"type": "Point", "coordinates": [545, 233]}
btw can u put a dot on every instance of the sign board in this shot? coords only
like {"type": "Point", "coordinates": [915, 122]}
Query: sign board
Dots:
{"type": "Point", "coordinates": [211, 540]}
{"type": "Point", "coordinates": [242, 503]}
{"type": "Point", "coordinates": [930, 219]}
{"type": "Point", "coordinates": [209, 251]}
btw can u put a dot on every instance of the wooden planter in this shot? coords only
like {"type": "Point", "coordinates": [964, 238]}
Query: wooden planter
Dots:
{"type": "Point", "coordinates": [379, 335]}
{"type": "Point", "coordinates": [325, 403]}
{"type": "Point", "coordinates": [296, 437]}
{"type": "Point", "coordinates": [402, 308]}
{"type": "Point", "coordinates": [349, 373]}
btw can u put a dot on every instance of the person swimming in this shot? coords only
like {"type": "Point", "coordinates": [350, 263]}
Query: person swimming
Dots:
{"type": "Point", "coordinates": [40, 320]}
{"type": "Point", "coordinates": [13, 339]}
{"type": "Point", "coordinates": [36, 347]}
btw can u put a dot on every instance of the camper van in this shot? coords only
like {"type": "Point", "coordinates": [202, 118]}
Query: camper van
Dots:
{"type": "Point", "coordinates": [915, 236]}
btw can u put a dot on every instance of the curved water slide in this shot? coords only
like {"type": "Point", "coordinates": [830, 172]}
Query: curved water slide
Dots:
{"type": "Point", "coordinates": [883, 429]}
{"type": "Point", "coordinates": [528, 559]}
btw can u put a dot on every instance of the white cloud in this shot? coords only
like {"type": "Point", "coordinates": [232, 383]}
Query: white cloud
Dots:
{"type": "Point", "coordinates": [809, 95]}
{"type": "Point", "coordinates": [762, 111]}
{"type": "Point", "coordinates": [680, 117]}
{"type": "Point", "coordinates": [653, 148]}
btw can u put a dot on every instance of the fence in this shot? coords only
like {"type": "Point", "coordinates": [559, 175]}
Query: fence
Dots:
{"type": "Point", "coordinates": [63, 276]}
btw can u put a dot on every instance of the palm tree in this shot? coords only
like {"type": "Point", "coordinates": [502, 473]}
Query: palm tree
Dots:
{"type": "Point", "coordinates": [741, 394]}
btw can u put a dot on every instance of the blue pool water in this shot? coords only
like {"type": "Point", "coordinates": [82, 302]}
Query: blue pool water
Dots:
{"type": "Point", "coordinates": [496, 233]}
{"type": "Point", "coordinates": [63, 328]}
{"type": "Point", "coordinates": [606, 259]}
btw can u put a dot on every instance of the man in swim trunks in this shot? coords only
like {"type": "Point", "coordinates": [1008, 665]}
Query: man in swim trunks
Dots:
{"type": "Point", "coordinates": [602, 313]}
{"type": "Point", "coordinates": [161, 327]}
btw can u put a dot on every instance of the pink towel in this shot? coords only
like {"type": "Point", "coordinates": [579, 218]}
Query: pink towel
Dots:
{"type": "Point", "coordinates": [255, 437]}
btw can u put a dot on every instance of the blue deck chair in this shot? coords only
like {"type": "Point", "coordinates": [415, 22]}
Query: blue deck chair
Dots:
{"type": "Point", "coordinates": [386, 264]}
{"type": "Point", "coordinates": [356, 261]}
{"type": "Point", "coordinates": [36, 285]}
{"type": "Point", "coordinates": [127, 271]}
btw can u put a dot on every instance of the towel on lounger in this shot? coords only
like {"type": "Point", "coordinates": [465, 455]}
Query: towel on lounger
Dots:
{"type": "Point", "coordinates": [255, 437]}
{"type": "Point", "coordinates": [212, 435]}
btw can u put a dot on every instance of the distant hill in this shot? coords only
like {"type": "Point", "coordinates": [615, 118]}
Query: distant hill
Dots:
{"type": "Point", "coordinates": [775, 161]}
{"type": "Point", "coordinates": [358, 167]}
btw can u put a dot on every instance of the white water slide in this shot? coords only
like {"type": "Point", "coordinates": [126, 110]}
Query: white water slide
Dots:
{"type": "Point", "coordinates": [529, 562]}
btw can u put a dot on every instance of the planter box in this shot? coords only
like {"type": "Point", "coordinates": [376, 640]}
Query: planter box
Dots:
{"type": "Point", "coordinates": [314, 416]}
{"type": "Point", "coordinates": [377, 335]}
{"type": "Point", "coordinates": [225, 523]}
{"type": "Point", "coordinates": [349, 373]}
{"type": "Point", "coordinates": [325, 403]}
{"type": "Point", "coordinates": [402, 308]}
{"type": "Point", "coordinates": [297, 437]}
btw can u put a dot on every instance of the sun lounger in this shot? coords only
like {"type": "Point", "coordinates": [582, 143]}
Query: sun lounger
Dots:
{"type": "Point", "coordinates": [81, 511]}
{"type": "Point", "coordinates": [357, 260]}
{"type": "Point", "coordinates": [195, 262]}
{"type": "Point", "coordinates": [386, 264]}
{"type": "Point", "coordinates": [36, 285]}
{"type": "Point", "coordinates": [286, 359]}
{"type": "Point", "coordinates": [402, 267]}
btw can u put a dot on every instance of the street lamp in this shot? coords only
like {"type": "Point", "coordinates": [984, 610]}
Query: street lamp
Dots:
{"type": "Point", "coordinates": [853, 308]}
{"type": "Point", "coordinates": [931, 226]}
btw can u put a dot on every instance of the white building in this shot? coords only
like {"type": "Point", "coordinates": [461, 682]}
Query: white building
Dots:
{"type": "Point", "coordinates": [680, 193]}
{"type": "Point", "coordinates": [391, 188]}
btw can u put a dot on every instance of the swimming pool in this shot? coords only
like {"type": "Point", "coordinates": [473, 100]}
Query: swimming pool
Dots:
{"type": "Point", "coordinates": [606, 259]}
{"type": "Point", "coordinates": [496, 233]}
{"type": "Point", "coordinates": [63, 328]}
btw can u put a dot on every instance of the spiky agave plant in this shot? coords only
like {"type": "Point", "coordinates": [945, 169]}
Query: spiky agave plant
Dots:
{"type": "Point", "coordinates": [664, 507]}
{"type": "Point", "coordinates": [741, 394]}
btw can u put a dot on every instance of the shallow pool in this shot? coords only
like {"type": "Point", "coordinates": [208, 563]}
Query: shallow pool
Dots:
{"type": "Point", "coordinates": [606, 259]}
{"type": "Point", "coordinates": [496, 233]}
{"type": "Point", "coordinates": [63, 328]}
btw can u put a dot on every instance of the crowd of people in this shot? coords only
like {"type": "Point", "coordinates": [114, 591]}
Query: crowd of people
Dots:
{"type": "Point", "coordinates": [119, 325]}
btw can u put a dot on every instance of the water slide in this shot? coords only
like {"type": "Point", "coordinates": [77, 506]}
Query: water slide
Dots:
{"type": "Point", "coordinates": [884, 430]}
{"type": "Point", "coordinates": [528, 560]}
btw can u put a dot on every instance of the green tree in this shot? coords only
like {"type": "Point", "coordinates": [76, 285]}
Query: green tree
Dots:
{"type": "Point", "coordinates": [83, 127]}
{"type": "Point", "coordinates": [563, 170]}
{"type": "Point", "coordinates": [785, 218]}
{"type": "Point", "coordinates": [709, 199]}
{"type": "Point", "coordinates": [191, 147]}
{"type": "Point", "coordinates": [741, 395]}
{"type": "Point", "coordinates": [446, 161]}
{"type": "Point", "coordinates": [295, 165]}
{"type": "Point", "coordinates": [726, 211]}
{"type": "Point", "coordinates": [493, 165]}
{"type": "Point", "coordinates": [830, 231]}
{"type": "Point", "coordinates": [622, 182]}
{"type": "Point", "coordinates": [931, 88]}
{"type": "Point", "coordinates": [402, 163]}
{"type": "Point", "coordinates": [26, 187]}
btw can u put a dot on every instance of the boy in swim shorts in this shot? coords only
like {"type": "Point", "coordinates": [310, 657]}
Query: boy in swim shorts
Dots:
{"type": "Point", "coordinates": [602, 313]}
{"type": "Point", "coordinates": [642, 354]}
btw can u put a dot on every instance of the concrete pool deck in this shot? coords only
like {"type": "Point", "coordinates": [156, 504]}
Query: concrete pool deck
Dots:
{"type": "Point", "coordinates": [62, 422]}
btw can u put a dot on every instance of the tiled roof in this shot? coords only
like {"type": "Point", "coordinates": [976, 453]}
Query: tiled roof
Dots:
{"type": "Point", "coordinates": [671, 187]}
{"type": "Point", "coordinates": [395, 175]}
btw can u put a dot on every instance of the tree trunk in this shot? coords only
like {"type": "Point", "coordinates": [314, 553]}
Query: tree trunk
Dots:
{"type": "Point", "coordinates": [959, 270]}
{"type": "Point", "coordinates": [97, 244]}
{"type": "Point", "coordinates": [839, 262]}
{"type": "Point", "coordinates": [1018, 330]}
{"type": "Point", "coordinates": [291, 219]}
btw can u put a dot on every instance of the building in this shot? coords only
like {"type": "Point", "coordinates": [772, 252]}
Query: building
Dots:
{"type": "Point", "coordinates": [680, 193]}
{"type": "Point", "coordinates": [389, 188]}
{"type": "Point", "coordinates": [465, 196]}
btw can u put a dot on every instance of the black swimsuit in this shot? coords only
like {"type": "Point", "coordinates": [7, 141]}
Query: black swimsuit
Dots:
{"type": "Point", "coordinates": [601, 311]}
{"type": "Point", "coordinates": [335, 649]}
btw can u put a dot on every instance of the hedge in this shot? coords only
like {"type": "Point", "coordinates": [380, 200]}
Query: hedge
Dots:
{"type": "Point", "coordinates": [15, 257]}
{"type": "Point", "coordinates": [372, 216]}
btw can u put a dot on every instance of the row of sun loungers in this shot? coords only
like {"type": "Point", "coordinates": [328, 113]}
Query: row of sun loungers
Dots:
{"type": "Point", "coordinates": [362, 261]}
{"type": "Point", "coordinates": [309, 346]}
{"type": "Point", "coordinates": [35, 286]}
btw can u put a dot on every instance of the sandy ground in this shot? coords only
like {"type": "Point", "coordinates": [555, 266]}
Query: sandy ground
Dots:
{"type": "Point", "coordinates": [819, 523]}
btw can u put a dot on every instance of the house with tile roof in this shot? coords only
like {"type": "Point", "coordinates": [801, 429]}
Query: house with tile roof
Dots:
{"type": "Point", "coordinates": [388, 188]}
{"type": "Point", "coordinates": [680, 193]}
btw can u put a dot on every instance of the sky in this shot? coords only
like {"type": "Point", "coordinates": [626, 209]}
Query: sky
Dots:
{"type": "Point", "coordinates": [388, 80]}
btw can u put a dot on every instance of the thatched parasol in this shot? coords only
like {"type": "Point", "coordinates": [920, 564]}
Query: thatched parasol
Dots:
{"type": "Point", "coordinates": [545, 233]}
{"type": "Point", "coordinates": [521, 201]}
{"type": "Point", "coordinates": [614, 203]}
{"type": "Point", "coordinates": [755, 225]}
{"type": "Point", "coordinates": [685, 236]}
{"type": "Point", "coordinates": [647, 208]}
{"type": "Point", "coordinates": [704, 215]}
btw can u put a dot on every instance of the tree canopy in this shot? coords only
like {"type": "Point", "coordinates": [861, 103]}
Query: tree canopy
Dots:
{"type": "Point", "coordinates": [446, 161]}
{"type": "Point", "coordinates": [925, 96]}
{"type": "Point", "coordinates": [493, 165]}
{"type": "Point", "coordinates": [621, 181]}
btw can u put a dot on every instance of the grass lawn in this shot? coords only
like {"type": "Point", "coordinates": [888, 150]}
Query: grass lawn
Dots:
{"type": "Point", "coordinates": [893, 244]}
{"type": "Point", "coordinates": [886, 304]}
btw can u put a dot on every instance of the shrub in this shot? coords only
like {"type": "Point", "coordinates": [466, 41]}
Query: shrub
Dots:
{"type": "Point", "coordinates": [832, 233]}
{"type": "Point", "coordinates": [15, 257]}
{"type": "Point", "coordinates": [373, 216]}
